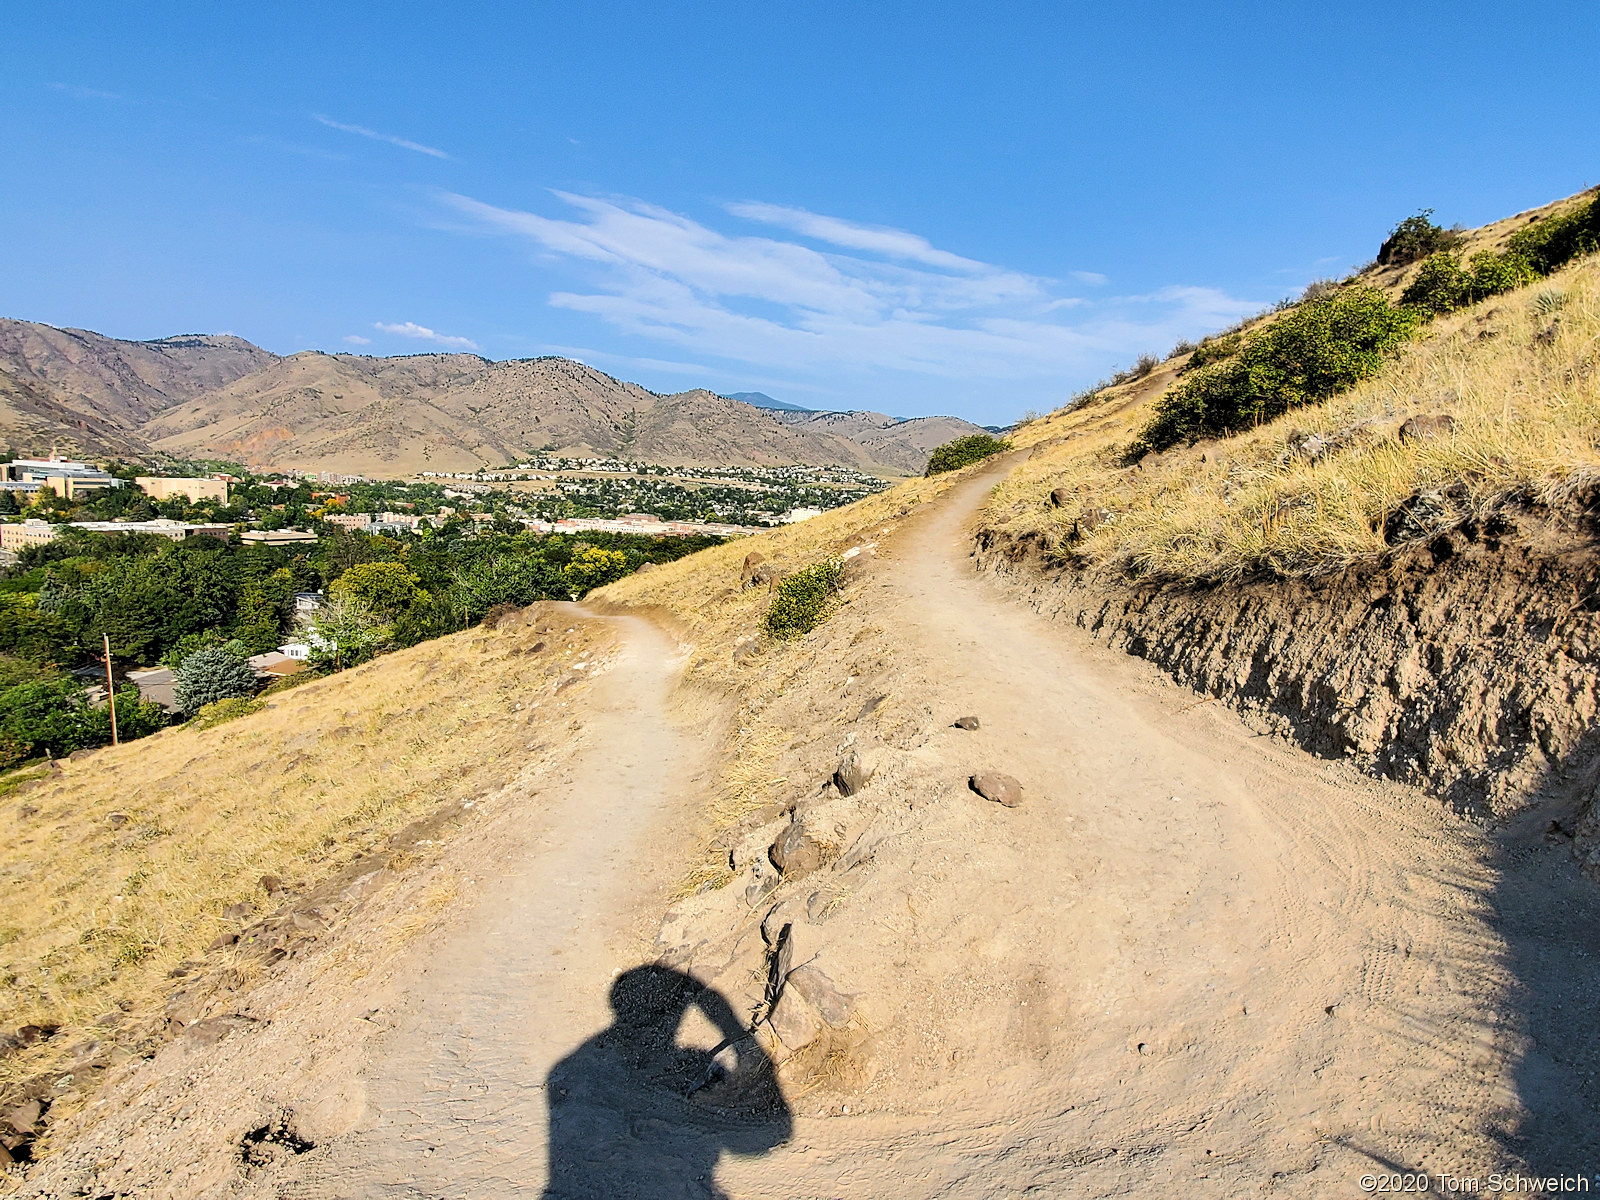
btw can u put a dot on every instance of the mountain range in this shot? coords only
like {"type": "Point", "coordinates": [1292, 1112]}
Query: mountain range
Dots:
{"type": "Point", "coordinates": [219, 396]}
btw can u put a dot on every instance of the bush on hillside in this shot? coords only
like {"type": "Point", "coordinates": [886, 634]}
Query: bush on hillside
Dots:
{"type": "Point", "coordinates": [222, 711]}
{"type": "Point", "coordinates": [1213, 350]}
{"type": "Point", "coordinates": [1551, 242]}
{"type": "Point", "coordinates": [216, 673]}
{"type": "Point", "coordinates": [964, 451]}
{"type": "Point", "coordinates": [1313, 352]}
{"type": "Point", "coordinates": [1414, 239]}
{"type": "Point", "coordinates": [801, 601]}
{"type": "Point", "coordinates": [1442, 285]}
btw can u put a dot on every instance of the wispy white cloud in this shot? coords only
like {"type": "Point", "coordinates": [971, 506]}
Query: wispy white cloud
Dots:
{"type": "Point", "coordinates": [355, 339]}
{"type": "Point", "coordinates": [363, 131]}
{"type": "Point", "coordinates": [876, 239]}
{"type": "Point", "coordinates": [421, 333]}
{"type": "Point", "coordinates": [867, 300]}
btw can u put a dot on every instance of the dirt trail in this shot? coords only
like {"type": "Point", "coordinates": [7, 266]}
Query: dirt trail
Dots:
{"type": "Point", "coordinates": [455, 1091]}
{"type": "Point", "coordinates": [1270, 974]}
{"type": "Point", "coordinates": [1194, 962]}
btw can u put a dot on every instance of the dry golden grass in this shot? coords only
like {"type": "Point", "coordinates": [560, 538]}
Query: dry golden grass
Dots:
{"type": "Point", "coordinates": [1518, 373]}
{"type": "Point", "coordinates": [117, 867]}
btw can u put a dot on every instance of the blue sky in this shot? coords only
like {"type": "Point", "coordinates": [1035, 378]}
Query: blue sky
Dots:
{"type": "Point", "coordinates": [913, 208]}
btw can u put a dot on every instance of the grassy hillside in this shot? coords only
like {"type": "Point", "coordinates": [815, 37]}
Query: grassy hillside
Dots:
{"type": "Point", "coordinates": [118, 867]}
{"type": "Point", "coordinates": [1327, 483]}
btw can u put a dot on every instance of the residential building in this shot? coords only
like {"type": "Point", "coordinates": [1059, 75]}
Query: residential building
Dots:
{"type": "Point", "coordinates": [277, 537]}
{"type": "Point", "coordinates": [306, 603]}
{"type": "Point", "coordinates": [32, 532]}
{"type": "Point", "coordinates": [161, 487]}
{"type": "Point", "coordinates": [393, 521]}
{"type": "Point", "coordinates": [349, 520]}
{"type": "Point", "coordinates": [299, 651]}
{"type": "Point", "coordinates": [275, 664]}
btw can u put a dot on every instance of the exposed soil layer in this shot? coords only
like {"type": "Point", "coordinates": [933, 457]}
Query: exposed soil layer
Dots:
{"type": "Point", "coordinates": [1465, 665]}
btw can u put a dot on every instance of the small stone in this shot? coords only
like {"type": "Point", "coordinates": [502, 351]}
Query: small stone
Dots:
{"type": "Point", "coordinates": [1001, 788]}
{"type": "Point", "coordinates": [966, 723]}
{"type": "Point", "coordinates": [760, 888]}
{"type": "Point", "coordinates": [797, 853]}
{"type": "Point", "coordinates": [271, 884]}
{"type": "Point", "coordinates": [822, 994]}
{"type": "Point", "coordinates": [221, 942]}
{"type": "Point", "coordinates": [212, 1030]}
{"type": "Point", "coordinates": [794, 1020]}
{"type": "Point", "coordinates": [118, 819]}
{"type": "Point", "coordinates": [644, 567]}
{"type": "Point", "coordinates": [751, 561]}
{"type": "Point", "coordinates": [854, 773]}
{"type": "Point", "coordinates": [1060, 497]}
{"type": "Point", "coordinates": [24, 1117]}
{"type": "Point", "coordinates": [238, 912]}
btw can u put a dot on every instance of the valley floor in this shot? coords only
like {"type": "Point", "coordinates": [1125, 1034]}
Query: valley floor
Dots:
{"type": "Point", "coordinates": [1194, 961]}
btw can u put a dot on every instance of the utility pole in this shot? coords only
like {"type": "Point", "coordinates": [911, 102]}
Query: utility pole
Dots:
{"type": "Point", "coordinates": [111, 689]}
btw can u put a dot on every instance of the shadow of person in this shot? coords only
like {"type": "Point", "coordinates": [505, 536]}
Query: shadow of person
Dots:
{"type": "Point", "coordinates": [635, 1114]}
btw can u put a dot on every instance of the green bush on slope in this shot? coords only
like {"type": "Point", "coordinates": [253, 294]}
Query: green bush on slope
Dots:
{"type": "Point", "coordinates": [802, 600]}
{"type": "Point", "coordinates": [964, 451]}
{"type": "Point", "coordinates": [1312, 352]}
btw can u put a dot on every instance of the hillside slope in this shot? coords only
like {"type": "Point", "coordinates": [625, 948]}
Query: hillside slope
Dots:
{"type": "Point", "coordinates": [221, 397]}
{"type": "Point", "coordinates": [902, 443]}
{"type": "Point", "coordinates": [120, 384]}
{"type": "Point", "coordinates": [395, 416]}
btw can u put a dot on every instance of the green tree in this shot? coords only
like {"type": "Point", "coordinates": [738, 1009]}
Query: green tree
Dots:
{"type": "Point", "coordinates": [594, 567]}
{"type": "Point", "coordinates": [30, 631]}
{"type": "Point", "coordinates": [385, 588]}
{"type": "Point", "coordinates": [54, 717]}
{"type": "Point", "coordinates": [346, 632]}
{"type": "Point", "coordinates": [216, 673]}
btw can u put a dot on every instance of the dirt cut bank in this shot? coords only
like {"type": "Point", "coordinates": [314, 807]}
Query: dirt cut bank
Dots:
{"type": "Point", "coordinates": [1468, 665]}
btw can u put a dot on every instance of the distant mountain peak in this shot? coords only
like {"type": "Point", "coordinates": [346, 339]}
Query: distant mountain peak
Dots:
{"type": "Point", "coordinates": [762, 400]}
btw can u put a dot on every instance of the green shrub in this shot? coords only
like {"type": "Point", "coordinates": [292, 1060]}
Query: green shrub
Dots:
{"type": "Point", "coordinates": [215, 673]}
{"type": "Point", "coordinates": [1213, 350]}
{"type": "Point", "coordinates": [802, 601]}
{"type": "Point", "coordinates": [1552, 242]}
{"type": "Point", "coordinates": [1416, 238]}
{"type": "Point", "coordinates": [219, 711]}
{"type": "Point", "coordinates": [1440, 285]}
{"type": "Point", "coordinates": [1311, 353]}
{"type": "Point", "coordinates": [1489, 273]}
{"type": "Point", "coordinates": [964, 451]}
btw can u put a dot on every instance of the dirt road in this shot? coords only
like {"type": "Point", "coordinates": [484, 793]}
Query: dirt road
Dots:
{"type": "Point", "coordinates": [1194, 962]}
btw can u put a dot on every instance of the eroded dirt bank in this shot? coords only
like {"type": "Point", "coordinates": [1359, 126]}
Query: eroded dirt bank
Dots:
{"type": "Point", "coordinates": [1469, 667]}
